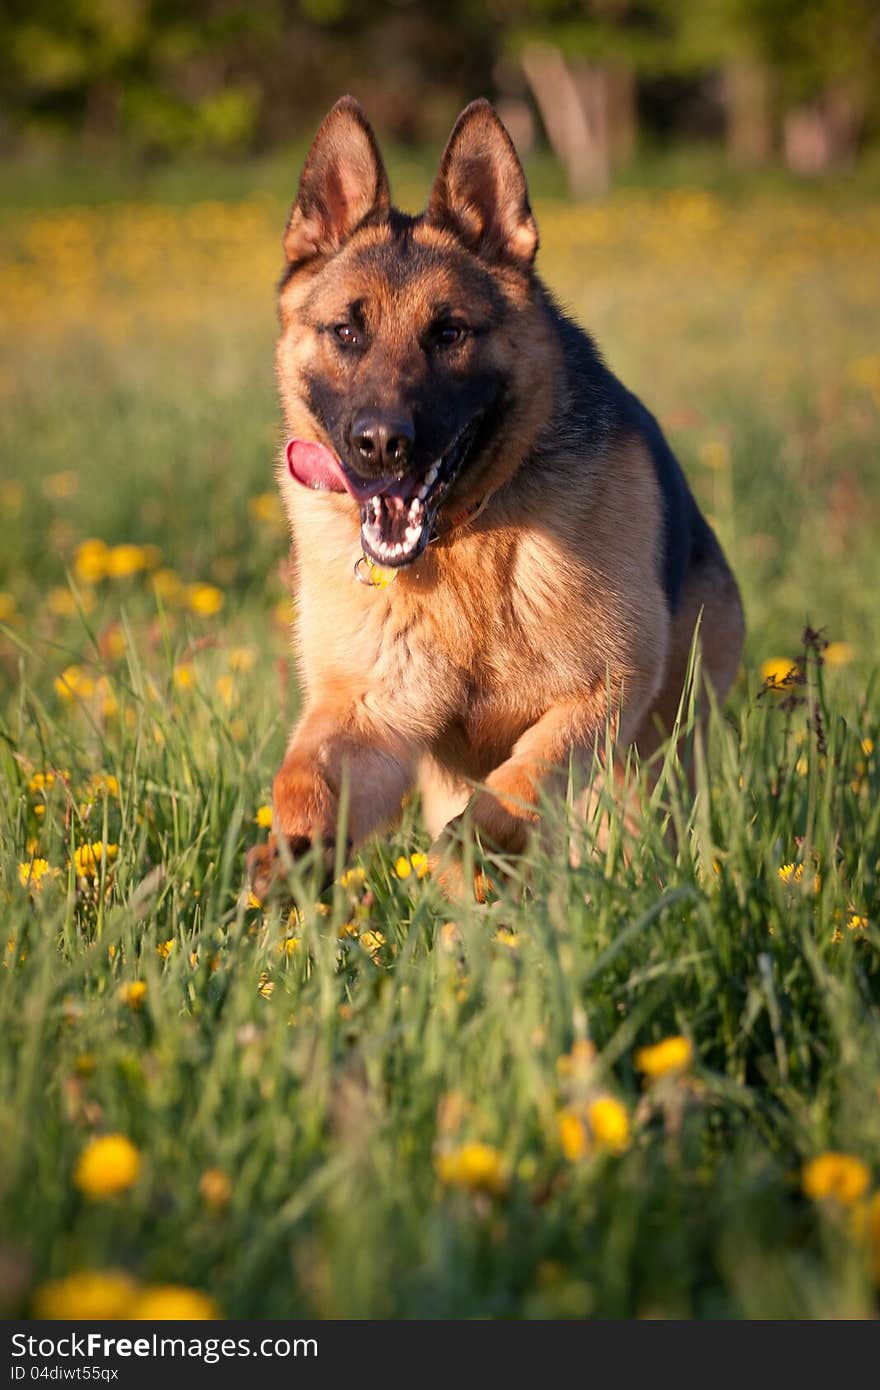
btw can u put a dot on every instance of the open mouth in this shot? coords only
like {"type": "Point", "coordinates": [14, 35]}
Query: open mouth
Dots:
{"type": "Point", "coordinates": [397, 514]}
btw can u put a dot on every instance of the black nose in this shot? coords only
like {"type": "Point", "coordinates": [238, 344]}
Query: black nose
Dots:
{"type": "Point", "coordinates": [382, 441]}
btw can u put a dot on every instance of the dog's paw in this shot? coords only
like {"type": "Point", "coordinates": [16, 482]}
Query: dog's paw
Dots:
{"type": "Point", "coordinates": [266, 863]}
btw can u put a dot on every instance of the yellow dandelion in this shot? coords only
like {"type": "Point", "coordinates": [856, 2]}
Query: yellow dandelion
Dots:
{"type": "Point", "coordinates": [419, 864]}
{"type": "Point", "coordinates": [867, 746]}
{"type": "Point", "coordinates": [174, 1303]}
{"type": "Point", "coordinates": [166, 585]}
{"type": "Point", "coordinates": [573, 1136]}
{"type": "Point", "coordinates": [88, 859]}
{"type": "Point", "coordinates": [790, 874]}
{"type": "Point", "coordinates": [88, 1295]}
{"type": "Point", "coordinates": [839, 653]}
{"type": "Point", "coordinates": [372, 941]}
{"type": "Point", "coordinates": [107, 1165]}
{"type": "Point", "coordinates": [265, 986]}
{"type": "Point", "coordinates": [90, 561]}
{"type": "Point", "coordinates": [205, 599]}
{"type": "Point", "coordinates": [133, 993]}
{"type": "Point", "coordinates": [184, 676]}
{"type": "Point", "coordinates": [165, 948]}
{"type": "Point", "coordinates": [104, 784]}
{"type": "Point", "coordinates": [506, 937]}
{"type": "Point", "coordinates": [32, 872]}
{"type": "Point", "coordinates": [225, 687]}
{"type": "Point", "coordinates": [352, 878]}
{"type": "Point", "coordinates": [74, 683]}
{"type": "Point", "coordinates": [837, 1177]}
{"type": "Point", "coordinates": [289, 946]}
{"type": "Point", "coordinates": [41, 782]}
{"type": "Point", "coordinates": [776, 670]}
{"type": "Point", "coordinates": [265, 507]}
{"type": "Point", "coordinates": [242, 658]}
{"type": "Point", "coordinates": [122, 561]}
{"type": "Point", "coordinates": [609, 1123]}
{"type": "Point", "coordinates": [59, 486]}
{"type": "Point", "coordinates": [579, 1060]}
{"type": "Point", "coordinates": [857, 922]}
{"type": "Point", "coordinates": [252, 899]}
{"type": "Point", "coordinates": [402, 867]}
{"type": "Point", "coordinates": [670, 1056]}
{"type": "Point", "coordinates": [62, 603]}
{"type": "Point", "coordinates": [215, 1189]}
{"type": "Point", "coordinates": [476, 1167]}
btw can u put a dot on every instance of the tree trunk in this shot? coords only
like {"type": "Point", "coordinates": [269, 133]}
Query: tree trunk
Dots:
{"type": "Point", "coordinates": [747, 101]}
{"type": "Point", "coordinates": [572, 101]}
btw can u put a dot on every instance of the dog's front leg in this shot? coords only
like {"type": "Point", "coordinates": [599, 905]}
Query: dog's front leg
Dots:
{"type": "Point", "coordinates": [506, 810]}
{"type": "Point", "coordinates": [334, 747]}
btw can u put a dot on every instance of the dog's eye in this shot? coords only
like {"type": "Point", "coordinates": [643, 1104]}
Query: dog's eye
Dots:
{"type": "Point", "coordinates": [448, 334]}
{"type": "Point", "coordinates": [347, 335]}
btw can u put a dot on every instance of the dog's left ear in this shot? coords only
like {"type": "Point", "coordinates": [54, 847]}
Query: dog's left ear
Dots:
{"type": "Point", "coordinates": [480, 192]}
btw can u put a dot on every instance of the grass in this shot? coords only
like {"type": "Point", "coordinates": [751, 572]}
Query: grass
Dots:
{"type": "Point", "coordinates": [332, 1071]}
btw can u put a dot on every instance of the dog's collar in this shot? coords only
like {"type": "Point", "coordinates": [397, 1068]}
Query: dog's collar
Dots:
{"type": "Point", "coordinates": [377, 577]}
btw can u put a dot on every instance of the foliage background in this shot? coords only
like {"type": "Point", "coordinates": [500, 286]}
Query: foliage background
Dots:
{"type": "Point", "coordinates": [304, 1094]}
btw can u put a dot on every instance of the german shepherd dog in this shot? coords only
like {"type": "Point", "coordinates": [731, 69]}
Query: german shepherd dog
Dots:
{"type": "Point", "coordinates": [453, 431]}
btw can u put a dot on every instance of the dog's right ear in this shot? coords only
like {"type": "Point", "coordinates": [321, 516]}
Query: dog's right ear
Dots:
{"type": "Point", "coordinates": [343, 181]}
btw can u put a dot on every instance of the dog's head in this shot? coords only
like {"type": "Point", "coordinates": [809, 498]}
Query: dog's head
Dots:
{"type": "Point", "coordinates": [415, 359]}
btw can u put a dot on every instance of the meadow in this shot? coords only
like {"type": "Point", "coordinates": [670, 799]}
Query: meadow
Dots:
{"type": "Point", "coordinates": [643, 1086]}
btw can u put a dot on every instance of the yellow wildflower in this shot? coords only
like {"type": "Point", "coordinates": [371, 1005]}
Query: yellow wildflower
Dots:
{"type": "Point", "coordinates": [838, 1177]}
{"type": "Point", "coordinates": [89, 1295]}
{"type": "Point", "coordinates": [90, 561]}
{"type": "Point", "coordinates": [107, 1165]}
{"type": "Point", "coordinates": [59, 486]}
{"type": "Point", "coordinates": [122, 561]}
{"type": "Point", "coordinates": [253, 900]}
{"type": "Point", "coordinates": [242, 658]}
{"type": "Point", "coordinates": [166, 585]}
{"type": "Point", "coordinates": [74, 683]}
{"type": "Point", "coordinates": [103, 784]}
{"type": "Point", "coordinates": [580, 1059]}
{"type": "Point", "coordinates": [41, 782]}
{"type": "Point", "coordinates": [225, 687]}
{"type": "Point", "coordinates": [205, 599]}
{"type": "Point", "coordinates": [264, 507]}
{"type": "Point", "coordinates": [572, 1135]}
{"type": "Point", "coordinates": [609, 1123]}
{"type": "Point", "coordinates": [133, 993]}
{"type": "Point", "coordinates": [87, 859]}
{"type": "Point", "coordinates": [32, 872]}
{"type": "Point", "coordinates": [174, 1303]}
{"type": "Point", "coordinates": [265, 986]}
{"type": "Point", "coordinates": [184, 676]}
{"type": "Point", "coordinates": [419, 863]}
{"type": "Point", "coordinates": [62, 603]}
{"type": "Point", "coordinates": [867, 746]}
{"type": "Point", "coordinates": [476, 1167]}
{"type": "Point", "coordinates": [793, 873]}
{"type": "Point", "coordinates": [351, 878]}
{"type": "Point", "coordinates": [166, 947]}
{"type": "Point", "coordinates": [402, 867]}
{"type": "Point", "coordinates": [215, 1188]}
{"type": "Point", "coordinates": [839, 653]}
{"type": "Point", "coordinates": [671, 1055]}
{"type": "Point", "coordinates": [776, 670]}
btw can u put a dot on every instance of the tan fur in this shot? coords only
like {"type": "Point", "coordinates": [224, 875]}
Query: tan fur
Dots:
{"type": "Point", "coordinates": [504, 649]}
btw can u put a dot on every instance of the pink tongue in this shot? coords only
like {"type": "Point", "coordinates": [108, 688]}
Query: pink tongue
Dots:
{"type": "Point", "coordinates": [315, 466]}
